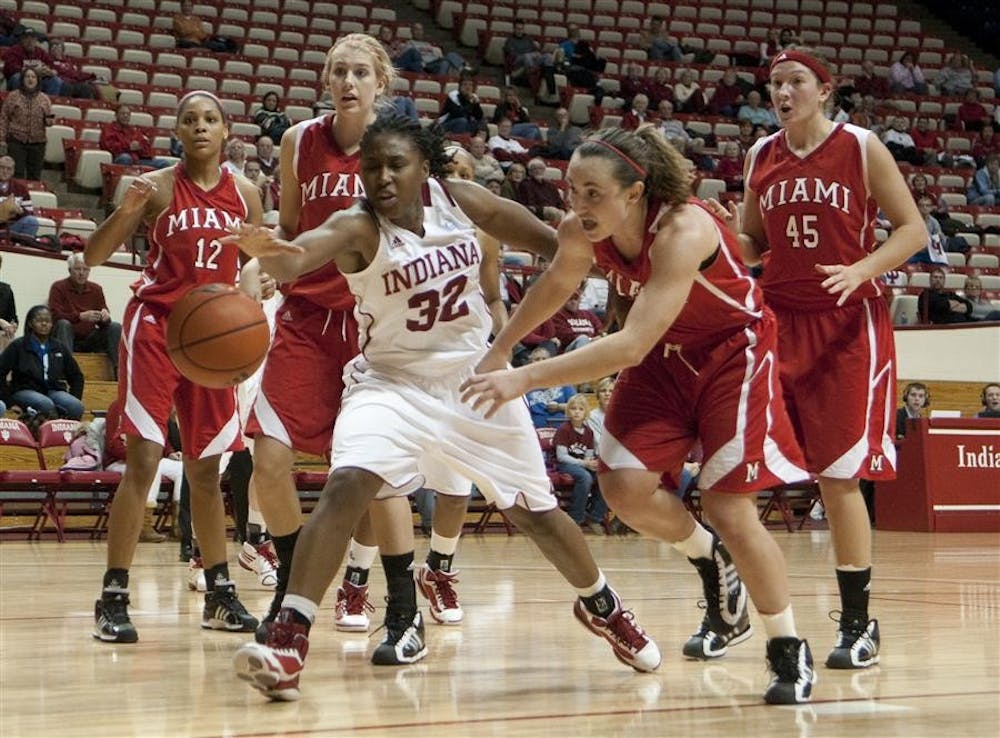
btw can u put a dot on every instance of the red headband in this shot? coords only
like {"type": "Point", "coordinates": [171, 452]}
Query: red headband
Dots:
{"type": "Point", "coordinates": [621, 154]}
{"type": "Point", "coordinates": [805, 59]}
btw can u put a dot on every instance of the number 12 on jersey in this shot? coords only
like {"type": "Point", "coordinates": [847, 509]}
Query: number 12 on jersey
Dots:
{"type": "Point", "coordinates": [213, 248]}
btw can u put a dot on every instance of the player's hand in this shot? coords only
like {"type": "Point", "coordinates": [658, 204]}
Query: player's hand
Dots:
{"type": "Point", "coordinates": [841, 279]}
{"type": "Point", "coordinates": [259, 241]}
{"type": "Point", "coordinates": [728, 213]}
{"type": "Point", "coordinates": [489, 391]}
{"type": "Point", "coordinates": [137, 195]}
{"type": "Point", "coordinates": [268, 286]}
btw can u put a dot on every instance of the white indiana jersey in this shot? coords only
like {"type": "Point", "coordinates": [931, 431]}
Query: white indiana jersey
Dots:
{"type": "Point", "coordinates": [419, 307]}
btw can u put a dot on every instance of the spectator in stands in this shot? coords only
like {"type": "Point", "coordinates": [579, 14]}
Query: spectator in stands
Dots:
{"type": "Point", "coordinates": [574, 326]}
{"type": "Point", "coordinates": [659, 88]}
{"type": "Point", "coordinates": [915, 399]}
{"type": "Point", "coordinates": [128, 144]}
{"type": "Point", "coordinates": [494, 183]}
{"type": "Point", "coordinates": [938, 242]}
{"type": "Point", "coordinates": [485, 164]}
{"type": "Point", "coordinates": [8, 314]}
{"type": "Point", "coordinates": [462, 112]}
{"type": "Point", "coordinates": [635, 83]}
{"type": "Point", "coordinates": [770, 46]}
{"type": "Point", "coordinates": [271, 118]}
{"type": "Point", "coordinates": [582, 67]}
{"type": "Point", "coordinates": [866, 115]}
{"type": "Point", "coordinates": [16, 208]}
{"type": "Point", "coordinates": [595, 420]}
{"type": "Point", "coordinates": [957, 77]}
{"type": "Point", "coordinates": [746, 136]}
{"type": "Point", "coordinates": [906, 77]}
{"type": "Point", "coordinates": [27, 54]}
{"type": "Point", "coordinates": [403, 57]}
{"type": "Point", "coordinates": [982, 308]}
{"type": "Point", "coordinates": [688, 97]}
{"type": "Point", "coordinates": [637, 114]}
{"type": "Point", "coordinates": [730, 167]}
{"type": "Point", "coordinates": [540, 195]}
{"type": "Point", "coordinates": [900, 143]}
{"type": "Point", "coordinates": [432, 60]}
{"type": "Point", "coordinates": [236, 156]}
{"type": "Point", "coordinates": [253, 172]}
{"type": "Point", "coordinates": [265, 155]}
{"type": "Point", "coordinates": [80, 312]}
{"type": "Point", "coordinates": [74, 82]}
{"type": "Point", "coordinates": [658, 43]}
{"type": "Point", "coordinates": [990, 398]}
{"type": "Point", "coordinates": [927, 140]}
{"type": "Point", "coordinates": [729, 95]}
{"type": "Point", "coordinates": [920, 187]}
{"type": "Point", "coordinates": [985, 144]}
{"type": "Point", "coordinates": [510, 107]}
{"type": "Point", "coordinates": [504, 147]}
{"type": "Point", "coordinates": [190, 32]}
{"type": "Point", "coordinates": [972, 116]}
{"type": "Point", "coordinates": [8, 28]}
{"type": "Point", "coordinates": [672, 128]}
{"type": "Point", "coordinates": [936, 305]}
{"type": "Point", "coordinates": [984, 189]}
{"type": "Point", "coordinates": [44, 377]}
{"type": "Point", "coordinates": [512, 182]}
{"type": "Point", "coordinates": [576, 455]}
{"type": "Point", "coordinates": [562, 137]}
{"type": "Point", "coordinates": [524, 56]}
{"type": "Point", "coordinates": [754, 112]}
{"type": "Point", "coordinates": [869, 83]}
{"type": "Point", "coordinates": [547, 406]}
{"type": "Point", "coordinates": [25, 114]}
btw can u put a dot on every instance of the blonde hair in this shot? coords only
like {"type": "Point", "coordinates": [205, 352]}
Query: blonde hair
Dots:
{"type": "Point", "coordinates": [579, 399]}
{"type": "Point", "coordinates": [384, 71]}
{"type": "Point", "coordinates": [606, 383]}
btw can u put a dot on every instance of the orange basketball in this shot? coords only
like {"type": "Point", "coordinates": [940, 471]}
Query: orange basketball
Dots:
{"type": "Point", "coordinates": [217, 336]}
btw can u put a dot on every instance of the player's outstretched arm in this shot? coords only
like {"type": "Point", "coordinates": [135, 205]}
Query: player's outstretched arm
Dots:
{"type": "Point", "coordinates": [506, 220]}
{"type": "Point", "coordinates": [122, 223]}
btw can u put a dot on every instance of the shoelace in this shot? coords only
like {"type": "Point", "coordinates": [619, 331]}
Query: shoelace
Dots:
{"type": "Point", "coordinates": [116, 609]}
{"type": "Point", "coordinates": [356, 600]}
{"type": "Point", "coordinates": [446, 593]}
{"type": "Point", "coordinates": [851, 623]}
{"type": "Point", "coordinates": [786, 665]}
{"type": "Point", "coordinates": [627, 631]}
{"type": "Point", "coordinates": [281, 636]}
{"type": "Point", "coordinates": [266, 552]}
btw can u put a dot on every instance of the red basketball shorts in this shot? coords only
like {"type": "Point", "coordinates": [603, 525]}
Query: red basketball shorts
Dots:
{"type": "Point", "coordinates": [300, 391]}
{"type": "Point", "coordinates": [149, 386]}
{"type": "Point", "coordinates": [838, 373]}
{"type": "Point", "coordinates": [725, 394]}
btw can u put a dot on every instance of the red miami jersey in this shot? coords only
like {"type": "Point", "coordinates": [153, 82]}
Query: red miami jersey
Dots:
{"type": "Point", "coordinates": [184, 243]}
{"type": "Point", "coordinates": [724, 297]}
{"type": "Point", "coordinates": [816, 209]}
{"type": "Point", "coordinates": [329, 181]}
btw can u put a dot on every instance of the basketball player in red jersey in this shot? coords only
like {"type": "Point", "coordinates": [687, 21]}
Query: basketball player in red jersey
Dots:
{"type": "Point", "coordinates": [188, 208]}
{"type": "Point", "coordinates": [812, 192]}
{"type": "Point", "coordinates": [697, 354]}
{"type": "Point", "coordinates": [316, 330]}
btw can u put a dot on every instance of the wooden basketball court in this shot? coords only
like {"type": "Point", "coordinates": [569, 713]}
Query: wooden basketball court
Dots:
{"type": "Point", "coordinates": [519, 665]}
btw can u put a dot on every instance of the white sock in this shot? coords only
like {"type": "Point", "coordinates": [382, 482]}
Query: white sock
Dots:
{"type": "Point", "coordinates": [442, 545]}
{"type": "Point", "coordinates": [596, 587]}
{"type": "Point", "coordinates": [306, 608]}
{"type": "Point", "coordinates": [360, 556]}
{"type": "Point", "coordinates": [255, 518]}
{"type": "Point", "coordinates": [698, 545]}
{"type": "Point", "coordinates": [780, 625]}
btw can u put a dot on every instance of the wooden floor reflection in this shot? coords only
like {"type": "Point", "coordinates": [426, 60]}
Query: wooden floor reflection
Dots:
{"type": "Point", "coordinates": [519, 665]}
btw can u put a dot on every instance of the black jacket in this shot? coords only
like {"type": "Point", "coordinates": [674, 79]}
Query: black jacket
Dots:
{"type": "Point", "coordinates": [26, 370]}
{"type": "Point", "coordinates": [7, 310]}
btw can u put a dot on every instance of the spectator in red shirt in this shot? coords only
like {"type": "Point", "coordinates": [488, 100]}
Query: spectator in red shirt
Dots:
{"type": "Point", "coordinates": [574, 326]}
{"type": "Point", "coordinates": [659, 89]}
{"type": "Point", "coordinates": [80, 312]}
{"type": "Point", "coordinates": [729, 95]}
{"type": "Point", "coordinates": [15, 202]}
{"type": "Point", "coordinates": [128, 144]}
{"type": "Point", "coordinates": [74, 81]}
{"type": "Point", "coordinates": [24, 54]}
{"type": "Point", "coordinates": [540, 195]}
{"type": "Point", "coordinates": [638, 114]}
{"type": "Point", "coordinates": [927, 140]}
{"type": "Point", "coordinates": [987, 143]}
{"type": "Point", "coordinates": [635, 83]}
{"type": "Point", "coordinates": [730, 167]}
{"type": "Point", "coordinates": [972, 116]}
{"type": "Point", "coordinates": [869, 83]}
